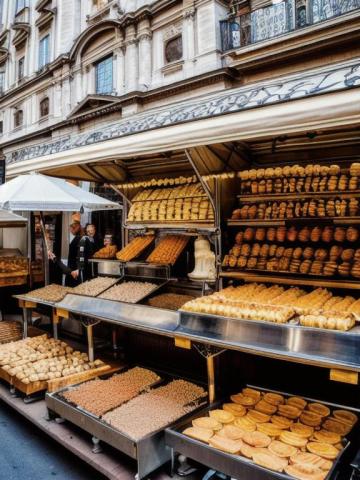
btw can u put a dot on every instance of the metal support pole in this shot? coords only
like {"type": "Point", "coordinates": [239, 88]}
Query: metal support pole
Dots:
{"type": "Point", "coordinates": [211, 378]}
{"type": "Point", "coordinates": [209, 352]}
{"type": "Point", "coordinates": [25, 322]}
{"type": "Point", "coordinates": [45, 248]}
{"type": "Point", "coordinates": [90, 339]}
{"type": "Point", "coordinates": [55, 322]}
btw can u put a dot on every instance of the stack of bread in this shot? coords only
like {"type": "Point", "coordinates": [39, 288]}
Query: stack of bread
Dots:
{"type": "Point", "coordinates": [181, 203]}
{"type": "Point", "coordinates": [331, 251]}
{"type": "Point", "coordinates": [168, 249]}
{"type": "Point", "coordinates": [278, 304]}
{"type": "Point", "coordinates": [16, 264]}
{"type": "Point", "coordinates": [134, 248]}
{"type": "Point", "coordinates": [280, 433]}
{"type": "Point", "coordinates": [107, 252]}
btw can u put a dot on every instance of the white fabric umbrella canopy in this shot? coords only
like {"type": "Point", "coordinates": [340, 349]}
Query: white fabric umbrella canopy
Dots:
{"type": "Point", "coordinates": [39, 193]}
{"type": "Point", "coordinates": [8, 219]}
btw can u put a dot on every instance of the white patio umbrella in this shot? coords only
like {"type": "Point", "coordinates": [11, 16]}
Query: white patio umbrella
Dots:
{"type": "Point", "coordinates": [39, 193]}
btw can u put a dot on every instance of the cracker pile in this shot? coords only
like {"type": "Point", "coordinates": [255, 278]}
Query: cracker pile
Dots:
{"type": "Point", "coordinates": [92, 288]}
{"type": "Point", "coordinates": [51, 293]}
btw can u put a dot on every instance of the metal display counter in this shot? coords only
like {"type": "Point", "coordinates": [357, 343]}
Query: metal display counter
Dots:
{"type": "Point", "coordinates": [28, 304]}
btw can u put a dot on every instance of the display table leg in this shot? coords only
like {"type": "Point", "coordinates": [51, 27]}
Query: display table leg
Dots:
{"type": "Point", "coordinates": [27, 315]}
{"type": "Point", "coordinates": [55, 322]}
{"type": "Point", "coordinates": [209, 352]}
{"type": "Point", "coordinates": [90, 339]}
{"type": "Point", "coordinates": [211, 378]}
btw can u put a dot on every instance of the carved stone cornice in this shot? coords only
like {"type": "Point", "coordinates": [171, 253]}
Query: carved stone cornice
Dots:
{"type": "Point", "coordinates": [145, 36]}
{"type": "Point", "coordinates": [189, 14]}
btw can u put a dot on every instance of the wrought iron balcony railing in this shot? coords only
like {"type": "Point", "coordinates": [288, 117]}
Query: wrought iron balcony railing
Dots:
{"type": "Point", "coordinates": [281, 17]}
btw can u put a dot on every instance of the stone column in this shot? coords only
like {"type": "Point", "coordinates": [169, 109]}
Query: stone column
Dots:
{"type": "Point", "coordinates": [189, 38]}
{"type": "Point", "coordinates": [131, 59]}
{"type": "Point", "coordinates": [145, 54]}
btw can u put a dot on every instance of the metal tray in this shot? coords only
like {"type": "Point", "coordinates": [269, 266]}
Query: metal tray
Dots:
{"type": "Point", "coordinates": [237, 466]}
{"type": "Point", "coordinates": [150, 452]}
{"type": "Point", "coordinates": [38, 301]}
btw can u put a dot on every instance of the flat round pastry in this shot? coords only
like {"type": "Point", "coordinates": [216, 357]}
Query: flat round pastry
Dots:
{"type": "Point", "coordinates": [245, 423]}
{"type": "Point", "coordinates": [334, 425]}
{"type": "Point", "coordinates": [242, 399]}
{"type": "Point", "coordinates": [273, 398]}
{"type": "Point", "coordinates": [311, 459]}
{"type": "Point", "coordinates": [324, 450]}
{"type": "Point", "coordinates": [304, 471]}
{"type": "Point", "coordinates": [289, 411]}
{"type": "Point", "coordinates": [249, 451]}
{"type": "Point", "coordinates": [207, 422]}
{"type": "Point", "coordinates": [270, 461]}
{"type": "Point", "coordinates": [256, 439]}
{"type": "Point", "coordinates": [225, 444]}
{"type": "Point", "coordinates": [345, 416]}
{"type": "Point", "coordinates": [303, 430]}
{"type": "Point", "coordinates": [293, 439]}
{"type": "Point", "coordinates": [269, 429]}
{"type": "Point", "coordinates": [281, 422]}
{"type": "Point", "coordinates": [265, 407]}
{"type": "Point", "coordinates": [222, 416]}
{"type": "Point", "coordinates": [325, 436]}
{"type": "Point", "coordinates": [251, 392]}
{"type": "Point", "coordinates": [297, 402]}
{"type": "Point", "coordinates": [281, 449]}
{"type": "Point", "coordinates": [231, 431]}
{"type": "Point", "coordinates": [202, 434]}
{"type": "Point", "coordinates": [236, 409]}
{"type": "Point", "coordinates": [310, 418]}
{"type": "Point", "coordinates": [258, 417]}
{"type": "Point", "coordinates": [319, 408]}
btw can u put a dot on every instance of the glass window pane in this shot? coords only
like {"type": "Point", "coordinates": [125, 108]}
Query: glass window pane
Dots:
{"type": "Point", "coordinates": [20, 4]}
{"type": "Point", "coordinates": [44, 51]}
{"type": "Point", "coordinates": [104, 76]}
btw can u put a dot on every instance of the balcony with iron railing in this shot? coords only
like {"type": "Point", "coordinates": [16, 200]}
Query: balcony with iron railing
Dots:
{"type": "Point", "coordinates": [280, 18]}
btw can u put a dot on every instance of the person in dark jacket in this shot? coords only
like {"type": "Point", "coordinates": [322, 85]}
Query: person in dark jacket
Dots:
{"type": "Point", "coordinates": [95, 240]}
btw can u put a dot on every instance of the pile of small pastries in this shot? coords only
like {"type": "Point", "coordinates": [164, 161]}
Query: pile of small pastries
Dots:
{"type": "Point", "coordinates": [168, 249]}
{"type": "Point", "coordinates": [283, 434]}
{"type": "Point", "coordinates": [253, 301]}
{"type": "Point", "coordinates": [41, 358]}
{"type": "Point", "coordinates": [14, 264]}
{"type": "Point", "coordinates": [285, 249]}
{"type": "Point", "coordinates": [183, 203]}
{"type": "Point", "coordinates": [107, 252]}
{"type": "Point", "coordinates": [296, 178]}
{"type": "Point", "coordinates": [304, 208]}
{"type": "Point", "coordinates": [50, 293]}
{"type": "Point", "coordinates": [134, 248]}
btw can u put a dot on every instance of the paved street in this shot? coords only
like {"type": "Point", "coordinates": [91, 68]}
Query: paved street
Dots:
{"type": "Point", "coordinates": [29, 454]}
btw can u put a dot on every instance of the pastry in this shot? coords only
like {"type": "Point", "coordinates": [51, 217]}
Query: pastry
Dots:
{"type": "Point", "coordinates": [308, 253]}
{"type": "Point", "coordinates": [258, 417]}
{"type": "Point", "coordinates": [260, 234]}
{"type": "Point", "coordinates": [239, 238]}
{"type": "Point", "coordinates": [265, 407]}
{"type": "Point", "coordinates": [202, 434]}
{"type": "Point", "coordinates": [225, 444]}
{"type": "Point", "coordinates": [249, 451]}
{"type": "Point", "coordinates": [344, 269]}
{"type": "Point", "coordinates": [335, 252]}
{"type": "Point", "coordinates": [310, 418]}
{"type": "Point", "coordinates": [321, 254]}
{"type": "Point", "coordinates": [311, 459]}
{"type": "Point", "coordinates": [330, 268]}
{"type": "Point", "coordinates": [298, 402]}
{"type": "Point", "coordinates": [232, 432]}
{"type": "Point", "coordinates": [339, 234]}
{"type": "Point", "coordinates": [302, 430]}
{"type": "Point", "coordinates": [324, 436]}
{"type": "Point", "coordinates": [244, 400]}
{"type": "Point", "coordinates": [234, 408]}
{"type": "Point", "coordinates": [249, 234]}
{"type": "Point", "coordinates": [327, 234]}
{"type": "Point", "coordinates": [336, 426]}
{"type": "Point", "coordinates": [222, 416]}
{"type": "Point", "coordinates": [291, 234]}
{"type": "Point", "coordinates": [281, 422]}
{"type": "Point", "coordinates": [273, 398]}
{"type": "Point", "coordinates": [256, 439]}
{"type": "Point", "coordinates": [271, 234]}
{"type": "Point", "coordinates": [297, 253]}
{"type": "Point", "coordinates": [345, 416]}
{"type": "Point", "coordinates": [270, 461]}
{"type": "Point", "coordinates": [315, 234]}
{"type": "Point", "coordinates": [355, 270]}
{"type": "Point", "coordinates": [281, 449]}
{"type": "Point", "coordinates": [319, 408]}
{"type": "Point", "coordinates": [245, 423]}
{"type": "Point", "coordinates": [324, 450]}
{"type": "Point", "coordinates": [352, 234]}
{"type": "Point", "coordinates": [347, 254]}
{"type": "Point", "coordinates": [293, 439]}
{"type": "Point", "coordinates": [251, 392]}
{"type": "Point", "coordinates": [305, 471]}
{"type": "Point", "coordinates": [207, 423]}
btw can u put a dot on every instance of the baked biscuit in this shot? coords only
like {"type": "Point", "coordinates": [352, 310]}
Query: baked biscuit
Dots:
{"type": "Point", "coordinates": [273, 398]}
{"type": "Point", "coordinates": [281, 422]}
{"type": "Point", "coordinates": [245, 423]}
{"type": "Point", "coordinates": [225, 444]}
{"type": "Point", "coordinates": [249, 451]}
{"type": "Point", "coordinates": [258, 417]}
{"type": "Point", "coordinates": [333, 425]}
{"type": "Point", "coordinates": [302, 430]}
{"type": "Point", "coordinates": [207, 422]}
{"type": "Point", "coordinates": [311, 459]}
{"type": "Point", "coordinates": [199, 433]}
{"type": "Point", "coordinates": [244, 400]}
{"type": "Point", "coordinates": [232, 432]}
{"type": "Point", "coordinates": [325, 436]}
{"type": "Point", "coordinates": [293, 439]}
{"type": "Point", "coordinates": [234, 408]}
{"type": "Point", "coordinates": [269, 429]}
{"type": "Point", "coordinates": [324, 450]}
{"type": "Point", "coordinates": [297, 402]}
{"type": "Point", "coordinates": [319, 408]}
{"type": "Point", "coordinates": [304, 471]}
{"type": "Point", "coordinates": [281, 449]}
{"type": "Point", "coordinates": [256, 439]}
{"type": "Point", "coordinates": [289, 411]}
{"type": "Point", "coordinates": [345, 416]}
{"type": "Point", "coordinates": [265, 407]}
{"type": "Point", "coordinates": [251, 392]}
{"type": "Point", "coordinates": [310, 418]}
{"type": "Point", "coordinates": [270, 461]}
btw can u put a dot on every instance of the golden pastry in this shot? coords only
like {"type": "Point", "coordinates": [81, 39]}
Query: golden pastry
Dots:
{"type": "Point", "coordinates": [297, 402]}
{"type": "Point", "coordinates": [281, 422]}
{"type": "Point", "coordinates": [311, 459]}
{"type": "Point", "coordinates": [222, 416]}
{"type": "Point", "coordinates": [319, 408]}
{"type": "Point", "coordinates": [269, 429]}
{"type": "Point", "coordinates": [305, 471]}
{"type": "Point", "coordinates": [289, 411]}
{"type": "Point", "coordinates": [256, 439]}
{"type": "Point", "coordinates": [236, 409]}
{"type": "Point", "coordinates": [303, 430]}
{"type": "Point", "coordinates": [248, 451]}
{"type": "Point", "coordinates": [245, 423]}
{"type": "Point", "coordinates": [345, 416]}
{"type": "Point", "coordinates": [244, 400]}
{"type": "Point", "coordinates": [225, 444]}
{"type": "Point", "coordinates": [336, 426]}
{"type": "Point", "coordinates": [325, 436]}
{"type": "Point", "coordinates": [199, 433]}
{"type": "Point", "coordinates": [207, 422]}
{"type": "Point", "coordinates": [232, 432]}
{"type": "Point", "coordinates": [310, 418]}
{"type": "Point", "coordinates": [251, 392]}
{"type": "Point", "coordinates": [281, 449]}
{"type": "Point", "coordinates": [270, 461]}
{"type": "Point", "coordinates": [265, 407]}
{"type": "Point", "coordinates": [258, 417]}
{"type": "Point", "coordinates": [273, 398]}
{"type": "Point", "coordinates": [324, 450]}
{"type": "Point", "coordinates": [293, 439]}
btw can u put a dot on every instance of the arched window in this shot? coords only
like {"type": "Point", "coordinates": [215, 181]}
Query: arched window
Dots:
{"type": "Point", "coordinates": [44, 107]}
{"type": "Point", "coordinates": [18, 118]}
{"type": "Point", "coordinates": [174, 49]}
